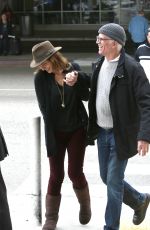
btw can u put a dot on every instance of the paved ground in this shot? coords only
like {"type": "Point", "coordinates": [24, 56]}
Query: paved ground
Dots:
{"type": "Point", "coordinates": [21, 169]}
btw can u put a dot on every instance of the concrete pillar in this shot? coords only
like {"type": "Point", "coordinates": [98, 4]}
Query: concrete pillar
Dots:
{"type": "Point", "coordinates": [35, 166]}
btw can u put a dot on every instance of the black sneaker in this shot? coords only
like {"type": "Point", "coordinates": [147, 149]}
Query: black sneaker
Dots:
{"type": "Point", "coordinates": [140, 213]}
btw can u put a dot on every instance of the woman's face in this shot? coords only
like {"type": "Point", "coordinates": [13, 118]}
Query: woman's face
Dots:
{"type": "Point", "coordinates": [46, 66]}
{"type": "Point", "coordinates": [4, 18]}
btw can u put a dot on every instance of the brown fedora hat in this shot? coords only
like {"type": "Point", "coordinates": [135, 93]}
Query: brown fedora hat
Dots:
{"type": "Point", "coordinates": [41, 52]}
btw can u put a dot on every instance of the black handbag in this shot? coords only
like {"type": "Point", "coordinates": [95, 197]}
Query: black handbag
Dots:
{"type": "Point", "coordinates": [3, 146]}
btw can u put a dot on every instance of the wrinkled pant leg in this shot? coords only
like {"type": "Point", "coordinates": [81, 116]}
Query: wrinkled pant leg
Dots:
{"type": "Point", "coordinates": [5, 220]}
{"type": "Point", "coordinates": [112, 173]}
{"type": "Point", "coordinates": [132, 197]}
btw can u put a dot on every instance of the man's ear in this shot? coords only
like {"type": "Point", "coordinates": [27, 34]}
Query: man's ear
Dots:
{"type": "Point", "coordinates": [114, 43]}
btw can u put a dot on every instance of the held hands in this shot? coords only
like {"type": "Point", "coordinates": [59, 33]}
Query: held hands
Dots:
{"type": "Point", "coordinates": [71, 78]}
{"type": "Point", "coordinates": [142, 148]}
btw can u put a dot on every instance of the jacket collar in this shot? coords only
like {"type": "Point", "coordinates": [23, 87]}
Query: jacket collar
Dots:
{"type": "Point", "coordinates": [120, 68]}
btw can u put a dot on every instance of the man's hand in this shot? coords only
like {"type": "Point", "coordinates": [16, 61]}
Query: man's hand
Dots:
{"type": "Point", "coordinates": [71, 78]}
{"type": "Point", "coordinates": [142, 148]}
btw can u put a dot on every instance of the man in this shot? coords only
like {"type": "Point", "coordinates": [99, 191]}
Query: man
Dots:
{"type": "Point", "coordinates": [137, 28]}
{"type": "Point", "coordinates": [119, 118]}
{"type": "Point", "coordinates": [142, 55]}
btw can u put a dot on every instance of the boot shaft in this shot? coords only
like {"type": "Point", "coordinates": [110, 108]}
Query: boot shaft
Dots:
{"type": "Point", "coordinates": [83, 197]}
{"type": "Point", "coordinates": [52, 204]}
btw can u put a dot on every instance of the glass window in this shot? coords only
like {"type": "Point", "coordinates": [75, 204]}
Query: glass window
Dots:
{"type": "Point", "coordinates": [85, 12]}
{"type": "Point", "coordinates": [109, 11]}
{"type": "Point", "coordinates": [71, 17]}
{"type": "Point", "coordinates": [94, 12]}
{"type": "Point", "coordinates": [47, 11]}
{"type": "Point", "coordinates": [127, 10]}
{"type": "Point", "coordinates": [71, 11]}
{"type": "Point", "coordinates": [80, 11]}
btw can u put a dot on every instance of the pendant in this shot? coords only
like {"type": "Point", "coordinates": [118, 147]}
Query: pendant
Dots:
{"type": "Point", "coordinates": [63, 105]}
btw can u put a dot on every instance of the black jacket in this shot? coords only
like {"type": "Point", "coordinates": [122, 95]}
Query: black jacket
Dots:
{"type": "Point", "coordinates": [43, 84]}
{"type": "Point", "coordinates": [3, 147]}
{"type": "Point", "coordinates": [129, 102]}
{"type": "Point", "coordinates": [7, 31]}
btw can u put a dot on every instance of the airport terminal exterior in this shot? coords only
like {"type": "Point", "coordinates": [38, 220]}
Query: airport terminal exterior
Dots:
{"type": "Point", "coordinates": [76, 20]}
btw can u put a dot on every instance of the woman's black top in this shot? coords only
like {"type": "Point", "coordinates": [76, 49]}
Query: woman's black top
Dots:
{"type": "Point", "coordinates": [57, 118]}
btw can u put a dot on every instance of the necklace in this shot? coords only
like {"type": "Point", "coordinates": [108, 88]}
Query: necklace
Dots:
{"type": "Point", "coordinates": [61, 95]}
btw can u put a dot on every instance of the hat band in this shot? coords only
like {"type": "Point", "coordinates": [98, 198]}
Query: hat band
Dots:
{"type": "Point", "coordinates": [41, 56]}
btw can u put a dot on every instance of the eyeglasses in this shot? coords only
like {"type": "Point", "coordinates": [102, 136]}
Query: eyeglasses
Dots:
{"type": "Point", "coordinates": [98, 39]}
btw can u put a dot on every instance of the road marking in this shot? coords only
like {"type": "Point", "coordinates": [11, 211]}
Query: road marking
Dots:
{"type": "Point", "coordinates": [16, 89]}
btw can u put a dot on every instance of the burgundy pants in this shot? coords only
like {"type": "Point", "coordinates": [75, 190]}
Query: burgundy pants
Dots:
{"type": "Point", "coordinates": [74, 143]}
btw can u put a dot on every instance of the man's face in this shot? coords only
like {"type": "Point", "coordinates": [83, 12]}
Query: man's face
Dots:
{"type": "Point", "coordinates": [104, 44]}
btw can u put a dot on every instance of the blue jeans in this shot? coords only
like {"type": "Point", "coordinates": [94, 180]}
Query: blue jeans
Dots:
{"type": "Point", "coordinates": [112, 173]}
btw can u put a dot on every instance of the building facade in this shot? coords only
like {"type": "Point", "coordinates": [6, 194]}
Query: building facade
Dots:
{"type": "Point", "coordinates": [72, 24]}
{"type": "Point", "coordinates": [78, 12]}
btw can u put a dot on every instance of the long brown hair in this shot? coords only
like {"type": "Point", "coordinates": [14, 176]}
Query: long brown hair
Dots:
{"type": "Point", "coordinates": [59, 62]}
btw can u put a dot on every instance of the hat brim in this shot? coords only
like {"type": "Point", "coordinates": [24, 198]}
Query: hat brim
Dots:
{"type": "Point", "coordinates": [35, 64]}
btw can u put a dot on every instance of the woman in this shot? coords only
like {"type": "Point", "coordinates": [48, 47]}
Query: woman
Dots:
{"type": "Point", "coordinates": [65, 121]}
{"type": "Point", "coordinates": [5, 220]}
{"type": "Point", "coordinates": [5, 31]}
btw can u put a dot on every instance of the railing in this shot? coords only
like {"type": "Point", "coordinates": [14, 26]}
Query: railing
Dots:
{"type": "Point", "coordinates": [77, 17]}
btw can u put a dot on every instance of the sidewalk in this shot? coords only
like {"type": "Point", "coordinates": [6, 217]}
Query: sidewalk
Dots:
{"type": "Point", "coordinates": [23, 201]}
{"type": "Point", "coordinates": [69, 210]}
{"type": "Point", "coordinates": [23, 218]}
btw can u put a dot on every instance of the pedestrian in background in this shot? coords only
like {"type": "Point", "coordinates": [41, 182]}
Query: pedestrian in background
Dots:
{"type": "Point", "coordinates": [65, 119]}
{"type": "Point", "coordinates": [137, 28]}
{"type": "Point", "coordinates": [119, 118]}
{"type": "Point", "coordinates": [5, 219]}
{"type": "Point", "coordinates": [142, 55]}
{"type": "Point", "coordinates": [8, 12]}
{"type": "Point", "coordinates": [5, 30]}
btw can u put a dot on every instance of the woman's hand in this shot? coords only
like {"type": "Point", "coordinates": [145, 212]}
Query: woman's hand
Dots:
{"type": "Point", "coordinates": [71, 78]}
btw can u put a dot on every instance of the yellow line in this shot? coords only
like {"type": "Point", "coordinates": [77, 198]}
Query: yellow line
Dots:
{"type": "Point", "coordinates": [143, 226]}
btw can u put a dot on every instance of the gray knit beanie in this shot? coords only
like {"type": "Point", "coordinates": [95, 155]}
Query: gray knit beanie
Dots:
{"type": "Point", "coordinates": [114, 31]}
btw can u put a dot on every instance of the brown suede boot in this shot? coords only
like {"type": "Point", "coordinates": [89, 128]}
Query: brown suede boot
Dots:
{"type": "Point", "coordinates": [52, 209]}
{"type": "Point", "coordinates": [85, 206]}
